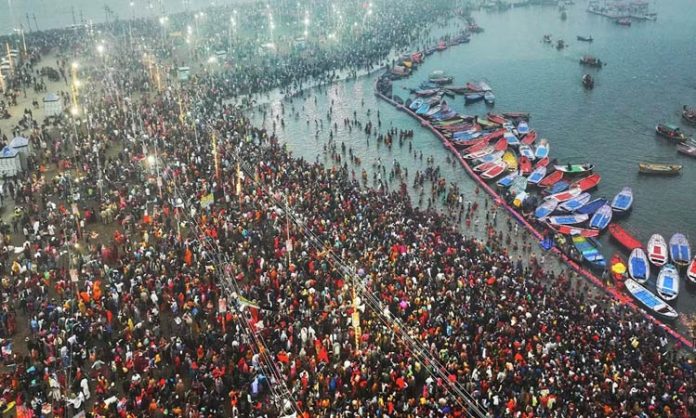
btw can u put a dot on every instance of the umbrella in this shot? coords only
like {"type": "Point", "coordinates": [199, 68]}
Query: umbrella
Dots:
{"type": "Point", "coordinates": [619, 268]}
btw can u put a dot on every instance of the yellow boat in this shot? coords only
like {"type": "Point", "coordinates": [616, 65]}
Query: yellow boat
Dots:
{"type": "Point", "coordinates": [656, 168]}
{"type": "Point", "coordinates": [511, 160]}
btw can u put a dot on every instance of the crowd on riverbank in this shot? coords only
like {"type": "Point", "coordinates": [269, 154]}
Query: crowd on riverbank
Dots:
{"type": "Point", "coordinates": [204, 271]}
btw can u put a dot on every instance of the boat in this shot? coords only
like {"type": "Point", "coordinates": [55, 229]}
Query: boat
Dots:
{"type": "Point", "coordinates": [489, 97]}
{"type": "Point", "coordinates": [575, 203]}
{"type": "Point", "coordinates": [416, 104]}
{"type": "Point", "coordinates": [467, 135]}
{"type": "Point", "coordinates": [572, 219]}
{"type": "Point", "coordinates": [574, 168]}
{"type": "Point", "coordinates": [523, 128]}
{"type": "Point", "coordinates": [501, 145]}
{"type": "Point", "coordinates": [687, 149]}
{"type": "Point", "coordinates": [588, 81]}
{"type": "Point", "coordinates": [423, 109]}
{"type": "Point", "coordinates": [551, 179]}
{"type": "Point", "coordinates": [435, 110]}
{"type": "Point", "coordinates": [519, 184]}
{"type": "Point", "coordinates": [526, 151]}
{"type": "Point", "coordinates": [560, 44]}
{"type": "Point", "coordinates": [426, 92]}
{"type": "Point", "coordinates": [529, 138]}
{"type": "Point", "coordinates": [679, 250]}
{"type": "Point", "coordinates": [591, 61]}
{"type": "Point", "coordinates": [660, 169]}
{"type": "Point", "coordinates": [689, 115]}
{"type": "Point", "coordinates": [691, 271]}
{"type": "Point", "coordinates": [525, 166]}
{"type": "Point", "coordinates": [484, 86]}
{"type": "Point", "coordinates": [473, 97]}
{"type": "Point", "coordinates": [516, 115]}
{"type": "Point", "coordinates": [650, 301]}
{"type": "Point", "coordinates": [459, 89]}
{"type": "Point", "coordinates": [622, 202]}
{"type": "Point", "coordinates": [638, 266]}
{"type": "Point", "coordinates": [511, 138]}
{"type": "Point", "coordinates": [657, 250]}
{"type": "Point", "coordinates": [536, 175]}
{"type": "Point", "coordinates": [587, 183]}
{"type": "Point", "coordinates": [624, 21]}
{"type": "Point", "coordinates": [545, 209]}
{"type": "Point", "coordinates": [494, 171]}
{"type": "Point", "coordinates": [499, 119]}
{"type": "Point", "coordinates": [668, 282]}
{"type": "Point", "coordinates": [585, 38]}
{"type": "Point", "coordinates": [617, 267]}
{"type": "Point", "coordinates": [479, 153]}
{"type": "Point", "coordinates": [588, 248]}
{"type": "Point", "coordinates": [601, 218]}
{"type": "Point", "coordinates": [669, 131]}
{"type": "Point", "coordinates": [507, 180]}
{"type": "Point", "coordinates": [519, 199]}
{"type": "Point", "coordinates": [542, 162]}
{"type": "Point", "coordinates": [493, 156]}
{"type": "Point", "coordinates": [542, 150]}
{"type": "Point", "coordinates": [559, 186]}
{"type": "Point", "coordinates": [483, 167]}
{"type": "Point", "coordinates": [510, 159]}
{"type": "Point", "coordinates": [547, 39]}
{"type": "Point", "coordinates": [572, 230]}
{"type": "Point", "coordinates": [592, 206]}
{"type": "Point", "coordinates": [624, 237]}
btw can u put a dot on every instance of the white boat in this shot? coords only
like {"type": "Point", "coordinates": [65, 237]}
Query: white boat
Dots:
{"type": "Point", "coordinates": [542, 150]}
{"type": "Point", "coordinates": [657, 250]}
{"type": "Point", "coordinates": [493, 172]}
{"type": "Point", "coordinates": [565, 195]}
{"type": "Point", "coordinates": [480, 153]}
{"type": "Point", "coordinates": [575, 203]}
{"type": "Point", "coordinates": [536, 175]}
{"type": "Point", "coordinates": [679, 250]}
{"type": "Point", "coordinates": [493, 156]}
{"type": "Point", "coordinates": [639, 266]}
{"type": "Point", "coordinates": [691, 271]}
{"type": "Point", "coordinates": [649, 301]}
{"type": "Point", "coordinates": [668, 282]}
{"type": "Point", "coordinates": [545, 209]}
{"type": "Point", "coordinates": [526, 151]}
{"type": "Point", "coordinates": [567, 219]}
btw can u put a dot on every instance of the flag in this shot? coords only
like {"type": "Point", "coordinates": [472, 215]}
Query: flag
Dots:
{"type": "Point", "coordinates": [251, 307]}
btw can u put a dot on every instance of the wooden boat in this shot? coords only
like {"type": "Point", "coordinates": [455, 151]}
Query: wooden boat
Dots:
{"type": "Point", "coordinates": [661, 169]}
{"type": "Point", "coordinates": [423, 109]}
{"type": "Point", "coordinates": [479, 153]}
{"type": "Point", "coordinates": [649, 301]}
{"type": "Point", "coordinates": [559, 186]}
{"type": "Point", "coordinates": [542, 162]}
{"type": "Point", "coordinates": [657, 250]}
{"type": "Point", "coordinates": [529, 138]}
{"type": "Point", "coordinates": [426, 92]}
{"type": "Point", "coordinates": [585, 38]}
{"type": "Point", "coordinates": [668, 282]}
{"type": "Point", "coordinates": [436, 109]}
{"type": "Point", "coordinates": [484, 86]}
{"type": "Point", "coordinates": [572, 219]}
{"type": "Point", "coordinates": [601, 218]}
{"type": "Point", "coordinates": [587, 183]}
{"type": "Point", "coordinates": [622, 202]}
{"type": "Point", "coordinates": [501, 145]}
{"type": "Point", "coordinates": [499, 119]}
{"type": "Point", "coordinates": [624, 21]}
{"type": "Point", "coordinates": [589, 251]}
{"type": "Point", "coordinates": [638, 265]}
{"type": "Point", "coordinates": [459, 89]}
{"type": "Point", "coordinates": [551, 179]}
{"type": "Point", "coordinates": [519, 184]}
{"type": "Point", "coordinates": [517, 115]}
{"type": "Point", "coordinates": [587, 81]}
{"type": "Point", "coordinates": [624, 237]}
{"type": "Point", "coordinates": [575, 203]}
{"type": "Point", "coordinates": [486, 124]}
{"type": "Point", "coordinates": [592, 206]}
{"type": "Point", "coordinates": [572, 230]}
{"type": "Point", "coordinates": [523, 127]}
{"type": "Point", "coordinates": [542, 150]}
{"type": "Point", "coordinates": [526, 151]}
{"type": "Point", "coordinates": [489, 97]}
{"type": "Point", "coordinates": [473, 97]}
{"type": "Point", "coordinates": [467, 136]}
{"type": "Point", "coordinates": [545, 209]}
{"type": "Point", "coordinates": [493, 156]}
{"type": "Point", "coordinates": [442, 81]}
{"type": "Point", "coordinates": [511, 138]}
{"type": "Point", "coordinates": [669, 131]}
{"type": "Point", "coordinates": [480, 168]}
{"type": "Point", "coordinates": [574, 168]}
{"type": "Point", "coordinates": [617, 267]}
{"type": "Point", "coordinates": [691, 271]}
{"type": "Point", "coordinates": [679, 250]}
{"type": "Point", "coordinates": [525, 166]}
{"type": "Point", "coordinates": [536, 175]}
{"type": "Point", "coordinates": [494, 171]}
{"type": "Point", "coordinates": [510, 159]}
{"type": "Point", "coordinates": [687, 149]}
{"type": "Point", "coordinates": [507, 180]}
{"type": "Point", "coordinates": [591, 61]}
{"type": "Point", "coordinates": [565, 195]}
{"type": "Point", "coordinates": [416, 104]}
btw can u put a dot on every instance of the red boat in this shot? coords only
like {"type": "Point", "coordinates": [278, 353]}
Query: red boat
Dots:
{"type": "Point", "coordinates": [473, 87]}
{"type": "Point", "coordinates": [458, 127]}
{"type": "Point", "coordinates": [499, 119]}
{"type": "Point", "coordinates": [551, 179]}
{"type": "Point", "coordinates": [587, 183]}
{"type": "Point", "coordinates": [544, 162]}
{"type": "Point", "coordinates": [525, 165]}
{"type": "Point", "coordinates": [477, 145]}
{"type": "Point", "coordinates": [529, 138]}
{"type": "Point", "coordinates": [617, 267]}
{"type": "Point", "coordinates": [623, 237]}
{"type": "Point", "coordinates": [571, 230]}
{"type": "Point", "coordinates": [691, 271]}
{"type": "Point", "coordinates": [517, 115]}
{"type": "Point", "coordinates": [501, 145]}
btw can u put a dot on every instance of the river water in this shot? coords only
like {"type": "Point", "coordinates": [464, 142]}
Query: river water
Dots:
{"type": "Point", "coordinates": [648, 77]}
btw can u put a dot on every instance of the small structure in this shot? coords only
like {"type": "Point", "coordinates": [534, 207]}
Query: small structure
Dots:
{"type": "Point", "coordinates": [10, 164]}
{"type": "Point", "coordinates": [183, 73]}
{"type": "Point", "coordinates": [53, 106]}
{"type": "Point", "coordinates": [23, 147]}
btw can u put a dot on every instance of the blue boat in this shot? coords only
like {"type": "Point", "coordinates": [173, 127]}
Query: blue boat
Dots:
{"type": "Point", "coordinates": [473, 97]}
{"type": "Point", "coordinates": [567, 219]}
{"type": "Point", "coordinates": [650, 301]}
{"type": "Point", "coordinates": [679, 250]}
{"type": "Point", "coordinates": [507, 180]}
{"type": "Point", "coordinates": [489, 97]}
{"type": "Point", "coordinates": [575, 203]}
{"type": "Point", "coordinates": [589, 251]}
{"type": "Point", "coordinates": [526, 151]}
{"type": "Point", "coordinates": [423, 109]}
{"type": "Point", "coordinates": [558, 187]}
{"type": "Point", "coordinates": [601, 218]}
{"type": "Point", "coordinates": [416, 104]}
{"type": "Point", "coordinates": [545, 209]}
{"type": "Point", "coordinates": [511, 138]}
{"type": "Point", "coordinates": [639, 266]}
{"type": "Point", "coordinates": [668, 282]}
{"type": "Point", "coordinates": [523, 128]}
{"type": "Point", "coordinates": [622, 202]}
{"type": "Point", "coordinates": [466, 135]}
{"type": "Point", "coordinates": [445, 116]}
{"type": "Point", "coordinates": [536, 175]}
{"type": "Point", "coordinates": [542, 150]}
{"type": "Point", "coordinates": [592, 206]}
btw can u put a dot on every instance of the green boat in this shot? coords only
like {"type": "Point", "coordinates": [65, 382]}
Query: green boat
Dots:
{"type": "Point", "coordinates": [589, 251]}
{"type": "Point", "coordinates": [450, 122]}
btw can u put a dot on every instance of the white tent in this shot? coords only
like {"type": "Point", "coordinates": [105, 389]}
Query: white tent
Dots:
{"type": "Point", "coordinates": [9, 162]}
{"type": "Point", "coordinates": [52, 105]}
{"type": "Point", "coordinates": [23, 147]}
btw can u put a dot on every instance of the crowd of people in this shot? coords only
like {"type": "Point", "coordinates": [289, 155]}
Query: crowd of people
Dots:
{"type": "Point", "coordinates": [171, 259]}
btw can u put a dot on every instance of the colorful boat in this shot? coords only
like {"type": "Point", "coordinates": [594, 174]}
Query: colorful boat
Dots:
{"type": "Point", "coordinates": [499, 119]}
{"type": "Point", "coordinates": [511, 138]}
{"type": "Point", "coordinates": [526, 151]}
{"type": "Point", "coordinates": [519, 184]}
{"type": "Point", "coordinates": [510, 159]}
{"type": "Point", "coordinates": [529, 138]}
{"type": "Point", "coordinates": [545, 209]}
{"type": "Point", "coordinates": [587, 183]}
{"type": "Point", "coordinates": [657, 250]}
{"type": "Point", "coordinates": [651, 302]}
{"type": "Point", "coordinates": [542, 162]}
{"type": "Point", "coordinates": [572, 219]}
{"type": "Point", "coordinates": [493, 156]}
{"type": "Point", "coordinates": [551, 179]}
{"type": "Point", "coordinates": [679, 250]}
{"type": "Point", "coordinates": [483, 167]}
{"type": "Point", "coordinates": [525, 166]}
{"type": "Point", "coordinates": [668, 282]}
{"type": "Point", "coordinates": [565, 195]}
{"type": "Point", "coordinates": [624, 237]}
{"type": "Point", "coordinates": [542, 150]}
{"type": "Point", "coordinates": [669, 131]}
{"type": "Point", "coordinates": [517, 115]}
{"type": "Point", "coordinates": [423, 109]}
{"type": "Point", "coordinates": [494, 171]}
{"type": "Point", "coordinates": [592, 206]}
{"type": "Point", "coordinates": [416, 104]}
{"type": "Point", "coordinates": [575, 203]}
{"type": "Point", "coordinates": [507, 180]}
{"type": "Point", "coordinates": [589, 251]}
{"type": "Point", "coordinates": [480, 153]}
{"type": "Point", "coordinates": [574, 168]}
{"type": "Point", "coordinates": [622, 202]}
{"type": "Point", "coordinates": [558, 187]}
{"type": "Point", "coordinates": [536, 175]}
{"type": "Point", "coordinates": [691, 271]}
{"type": "Point", "coordinates": [523, 127]}
{"type": "Point", "coordinates": [638, 265]}
{"type": "Point", "coordinates": [572, 230]}
{"type": "Point", "coordinates": [601, 218]}
{"type": "Point", "coordinates": [617, 267]}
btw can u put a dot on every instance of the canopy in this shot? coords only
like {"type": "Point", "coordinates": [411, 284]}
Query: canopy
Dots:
{"type": "Point", "coordinates": [51, 97]}
{"type": "Point", "coordinates": [619, 268]}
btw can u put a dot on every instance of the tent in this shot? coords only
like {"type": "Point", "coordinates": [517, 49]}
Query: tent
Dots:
{"type": "Point", "coordinates": [53, 106]}
{"type": "Point", "coordinates": [183, 73]}
{"type": "Point", "coordinates": [23, 147]}
{"type": "Point", "coordinates": [10, 164]}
